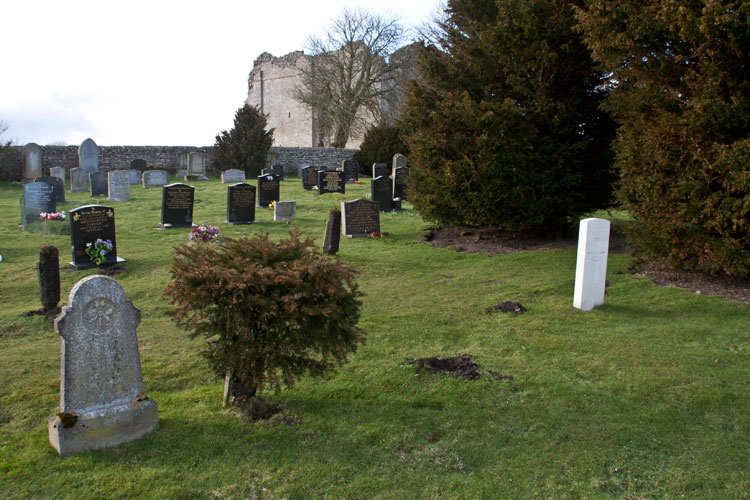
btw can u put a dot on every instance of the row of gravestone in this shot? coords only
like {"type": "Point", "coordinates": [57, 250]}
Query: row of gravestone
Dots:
{"type": "Point", "coordinates": [191, 165]}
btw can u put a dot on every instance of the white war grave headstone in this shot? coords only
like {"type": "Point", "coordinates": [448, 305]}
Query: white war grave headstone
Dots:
{"type": "Point", "coordinates": [591, 264]}
{"type": "Point", "coordinates": [103, 402]}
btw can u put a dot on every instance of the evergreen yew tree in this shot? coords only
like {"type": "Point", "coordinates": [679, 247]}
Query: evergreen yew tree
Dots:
{"type": "Point", "coordinates": [245, 146]}
{"type": "Point", "coordinates": [380, 143]}
{"type": "Point", "coordinates": [505, 128]}
{"type": "Point", "coordinates": [681, 92]}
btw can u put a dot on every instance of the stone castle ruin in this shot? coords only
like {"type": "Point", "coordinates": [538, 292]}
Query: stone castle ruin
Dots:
{"type": "Point", "coordinates": [271, 87]}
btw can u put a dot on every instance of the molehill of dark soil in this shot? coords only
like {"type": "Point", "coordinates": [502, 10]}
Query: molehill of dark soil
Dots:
{"type": "Point", "coordinates": [461, 366]}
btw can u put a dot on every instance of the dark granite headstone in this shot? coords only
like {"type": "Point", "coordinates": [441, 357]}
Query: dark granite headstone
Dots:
{"type": "Point", "coordinates": [57, 184]}
{"type": "Point", "coordinates": [240, 203]}
{"type": "Point", "coordinates": [360, 218]}
{"type": "Point", "coordinates": [98, 183]}
{"type": "Point", "coordinates": [309, 177]}
{"type": "Point", "coordinates": [87, 224]}
{"type": "Point", "coordinates": [177, 205]}
{"type": "Point", "coordinates": [379, 170]}
{"type": "Point", "coordinates": [38, 197]}
{"type": "Point", "coordinates": [332, 236]}
{"type": "Point", "coordinates": [351, 170]}
{"type": "Point", "coordinates": [268, 190]}
{"type": "Point", "coordinates": [381, 192]}
{"type": "Point", "coordinates": [400, 175]}
{"type": "Point", "coordinates": [139, 164]}
{"type": "Point", "coordinates": [331, 181]}
{"type": "Point", "coordinates": [278, 171]}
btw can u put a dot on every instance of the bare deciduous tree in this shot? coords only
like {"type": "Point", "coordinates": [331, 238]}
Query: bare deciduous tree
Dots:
{"type": "Point", "coordinates": [348, 82]}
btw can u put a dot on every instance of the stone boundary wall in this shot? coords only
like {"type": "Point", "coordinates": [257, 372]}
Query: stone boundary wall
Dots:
{"type": "Point", "coordinates": [166, 157]}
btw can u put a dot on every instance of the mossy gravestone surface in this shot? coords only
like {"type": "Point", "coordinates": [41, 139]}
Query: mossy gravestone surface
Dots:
{"type": "Point", "coordinates": [102, 398]}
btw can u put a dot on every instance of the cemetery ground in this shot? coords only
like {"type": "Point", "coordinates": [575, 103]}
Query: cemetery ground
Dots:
{"type": "Point", "coordinates": [643, 397]}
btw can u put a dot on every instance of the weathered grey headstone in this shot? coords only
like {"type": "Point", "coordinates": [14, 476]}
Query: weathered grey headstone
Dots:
{"type": "Point", "coordinates": [57, 184]}
{"type": "Point", "coordinates": [32, 162]}
{"type": "Point", "coordinates": [379, 170]}
{"type": "Point", "coordinates": [118, 185]}
{"type": "Point", "coordinates": [155, 178]}
{"type": "Point", "coordinates": [232, 176]}
{"type": "Point", "coordinates": [197, 166]}
{"type": "Point", "coordinates": [88, 156]}
{"type": "Point", "coordinates": [182, 165]}
{"type": "Point", "coordinates": [58, 172]}
{"type": "Point", "coordinates": [285, 210]}
{"type": "Point", "coordinates": [103, 401]}
{"type": "Point", "coordinates": [309, 176]}
{"type": "Point", "coordinates": [38, 197]}
{"type": "Point", "coordinates": [399, 161]}
{"type": "Point", "coordinates": [98, 183]}
{"type": "Point", "coordinates": [332, 236]}
{"type": "Point", "coordinates": [350, 169]}
{"type": "Point", "coordinates": [591, 263]}
{"type": "Point", "coordinates": [381, 191]}
{"type": "Point", "coordinates": [134, 176]}
{"type": "Point", "coordinates": [240, 203]}
{"type": "Point", "coordinates": [360, 218]}
{"type": "Point", "coordinates": [77, 180]}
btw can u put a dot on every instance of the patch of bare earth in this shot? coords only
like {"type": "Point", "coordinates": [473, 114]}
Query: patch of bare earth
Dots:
{"type": "Point", "coordinates": [493, 241]}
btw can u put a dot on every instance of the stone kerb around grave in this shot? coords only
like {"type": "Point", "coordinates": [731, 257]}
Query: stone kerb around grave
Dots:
{"type": "Point", "coordinates": [103, 402]}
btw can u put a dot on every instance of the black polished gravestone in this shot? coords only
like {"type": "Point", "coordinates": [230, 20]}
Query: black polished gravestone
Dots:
{"type": "Point", "coordinates": [99, 183]}
{"type": "Point", "coordinates": [400, 174]}
{"type": "Point", "coordinates": [278, 171]}
{"type": "Point", "coordinates": [379, 170]}
{"type": "Point", "coordinates": [38, 197]}
{"type": "Point", "coordinates": [331, 181]}
{"type": "Point", "coordinates": [240, 203]}
{"type": "Point", "coordinates": [309, 177]}
{"type": "Point", "coordinates": [268, 190]}
{"type": "Point", "coordinates": [360, 218]}
{"type": "Point", "coordinates": [177, 205]}
{"type": "Point", "coordinates": [88, 224]}
{"type": "Point", "coordinates": [139, 164]}
{"type": "Point", "coordinates": [382, 192]}
{"type": "Point", "coordinates": [57, 183]}
{"type": "Point", "coordinates": [351, 170]}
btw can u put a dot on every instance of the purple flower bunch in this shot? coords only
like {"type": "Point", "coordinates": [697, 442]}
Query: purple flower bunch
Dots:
{"type": "Point", "coordinates": [98, 250]}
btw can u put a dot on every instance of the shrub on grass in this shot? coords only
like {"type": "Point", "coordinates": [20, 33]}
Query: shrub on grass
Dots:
{"type": "Point", "coordinates": [245, 146]}
{"type": "Point", "coordinates": [270, 312]}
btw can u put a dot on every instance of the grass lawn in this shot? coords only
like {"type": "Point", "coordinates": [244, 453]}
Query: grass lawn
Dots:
{"type": "Point", "coordinates": [644, 397]}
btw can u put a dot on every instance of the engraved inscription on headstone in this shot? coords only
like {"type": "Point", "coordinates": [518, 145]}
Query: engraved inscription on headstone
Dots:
{"type": "Point", "coordinates": [360, 218]}
{"type": "Point", "coordinates": [32, 161]}
{"type": "Point", "coordinates": [380, 170]}
{"type": "Point", "coordinates": [268, 190]}
{"type": "Point", "coordinates": [118, 185]}
{"type": "Point", "coordinates": [350, 169]}
{"type": "Point", "coordinates": [101, 383]}
{"type": "Point", "coordinates": [177, 205]}
{"type": "Point", "coordinates": [309, 177]}
{"type": "Point", "coordinates": [77, 180]}
{"type": "Point", "coordinates": [38, 197]}
{"type": "Point", "coordinates": [87, 224]}
{"type": "Point", "coordinates": [240, 204]}
{"type": "Point", "coordinates": [57, 184]}
{"type": "Point", "coordinates": [381, 191]}
{"type": "Point", "coordinates": [285, 210]}
{"type": "Point", "coordinates": [331, 181]}
{"type": "Point", "coordinates": [98, 183]}
{"type": "Point", "coordinates": [591, 263]}
{"type": "Point", "coordinates": [88, 156]}
{"type": "Point", "coordinates": [155, 178]}
{"type": "Point", "coordinates": [232, 176]}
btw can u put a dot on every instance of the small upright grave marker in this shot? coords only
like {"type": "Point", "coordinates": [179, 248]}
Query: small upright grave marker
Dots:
{"type": "Point", "coordinates": [400, 174]}
{"type": "Point", "coordinates": [360, 218]}
{"type": "Point", "coordinates": [232, 176]}
{"type": "Point", "coordinates": [331, 181]}
{"type": "Point", "coordinates": [77, 180]}
{"type": "Point", "coordinates": [309, 177]}
{"type": "Point", "coordinates": [381, 191]}
{"type": "Point", "coordinates": [98, 182]}
{"type": "Point", "coordinates": [285, 210]}
{"type": "Point", "coordinates": [350, 169]}
{"type": "Point", "coordinates": [240, 204]}
{"type": "Point", "coordinates": [87, 225]}
{"type": "Point", "coordinates": [154, 178]}
{"type": "Point", "coordinates": [278, 171]}
{"type": "Point", "coordinates": [32, 162]}
{"type": "Point", "coordinates": [103, 402]}
{"type": "Point", "coordinates": [332, 236]}
{"type": "Point", "coordinates": [118, 185]}
{"type": "Point", "coordinates": [268, 190]}
{"type": "Point", "coordinates": [197, 166]}
{"type": "Point", "coordinates": [139, 164]}
{"type": "Point", "coordinates": [134, 176]}
{"type": "Point", "coordinates": [591, 263]}
{"type": "Point", "coordinates": [379, 170]}
{"type": "Point", "coordinates": [88, 156]}
{"type": "Point", "coordinates": [58, 172]}
{"type": "Point", "coordinates": [177, 205]}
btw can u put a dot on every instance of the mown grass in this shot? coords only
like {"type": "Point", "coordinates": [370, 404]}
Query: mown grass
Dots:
{"type": "Point", "coordinates": [643, 397]}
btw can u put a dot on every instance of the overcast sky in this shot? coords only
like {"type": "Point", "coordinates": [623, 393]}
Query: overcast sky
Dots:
{"type": "Point", "coordinates": [150, 72]}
